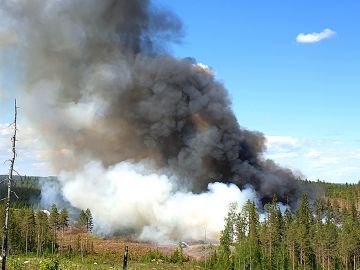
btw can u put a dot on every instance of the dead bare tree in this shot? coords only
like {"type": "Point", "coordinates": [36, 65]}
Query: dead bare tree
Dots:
{"type": "Point", "coordinates": [9, 191]}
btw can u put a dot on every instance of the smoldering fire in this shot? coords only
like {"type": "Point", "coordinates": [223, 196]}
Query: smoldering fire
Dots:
{"type": "Point", "coordinates": [108, 98]}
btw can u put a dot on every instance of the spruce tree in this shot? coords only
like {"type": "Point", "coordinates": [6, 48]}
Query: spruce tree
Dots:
{"type": "Point", "coordinates": [227, 235]}
{"type": "Point", "coordinates": [253, 243]}
{"type": "Point", "coordinates": [304, 221]}
{"type": "Point", "coordinates": [64, 219]}
{"type": "Point", "coordinates": [54, 223]}
{"type": "Point", "coordinates": [83, 219]}
{"type": "Point", "coordinates": [89, 221]}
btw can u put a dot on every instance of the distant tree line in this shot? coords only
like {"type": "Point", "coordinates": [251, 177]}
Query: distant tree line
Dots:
{"type": "Point", "coordinates": [26, 188]}
{"type": "Point", "coordinates": [316, 236]}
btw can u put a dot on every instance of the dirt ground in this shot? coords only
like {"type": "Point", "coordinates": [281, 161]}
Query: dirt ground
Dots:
{"type": "Point", "coordinates": [116, 245]}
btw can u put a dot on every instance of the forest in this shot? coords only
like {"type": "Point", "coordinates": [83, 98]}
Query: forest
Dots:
{"type": "Point", "coordinates": [320, 234]}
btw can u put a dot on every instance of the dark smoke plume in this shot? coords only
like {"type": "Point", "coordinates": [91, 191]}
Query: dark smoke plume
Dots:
{"type": "Point", "coordinates": [101, 86]}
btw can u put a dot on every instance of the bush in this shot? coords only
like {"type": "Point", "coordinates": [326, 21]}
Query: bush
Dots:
{"type": "Point", "coordinates": [178, 256]}
{"type": "Point", "coordinates": [15, 264]}
{"type": "Point", "coordinates": [49, 264]}
{"type": "Point", "coordinates": [153, 255]}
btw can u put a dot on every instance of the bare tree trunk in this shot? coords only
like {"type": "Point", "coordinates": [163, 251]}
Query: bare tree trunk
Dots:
{"type": "Point", "coordinates": [26, 240]}
{"type": "Point", "coordinates": [293, 256]}
{"type": "Point", "coordinates": [270, 252]}
{"type": "Point", "coordinates": [41, 240]}
{"type": "Point", "coordinates": [38, 243]}
{"type": "Point", "coordinates": [354, 262]}
{"type": "Point", "coordinates": [5, 247]}
{"type": "Point", "coordinates": [53, 242]}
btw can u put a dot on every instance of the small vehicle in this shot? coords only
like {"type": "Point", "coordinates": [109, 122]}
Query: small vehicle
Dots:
{"type": "Point", "coordinates": [183, 245]}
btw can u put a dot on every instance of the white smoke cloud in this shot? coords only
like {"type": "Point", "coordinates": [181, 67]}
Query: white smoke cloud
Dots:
{"type": "Point", "coordinates": [315, 37]}
{"type": "Point", "coordinates": [7, 39]}
{"type": "Point", "coordinates": [129, 197]}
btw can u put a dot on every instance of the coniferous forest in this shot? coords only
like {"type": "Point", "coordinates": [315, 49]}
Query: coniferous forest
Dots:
{"type": "Point", "coordinates": [320, 234]}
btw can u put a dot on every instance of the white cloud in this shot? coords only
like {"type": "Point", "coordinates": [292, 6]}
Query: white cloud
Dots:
{"type": "Point", "coordinates": [315, 37]}
{"type": "Point", "coordinates": [313, 154]}
{"type": "Point", "coordinates": [281, 146]}
{"type": "Point", "coordinates": [281, 141]}
{"type": "Point", "coordinates": [325, 159]}
{"type": "Point", "coordinates": [29, 160]}
{"type": "Point", "coordinates": [281, 155]}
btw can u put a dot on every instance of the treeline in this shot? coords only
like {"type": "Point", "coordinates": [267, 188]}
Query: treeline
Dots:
{"type": "Point", "coordinates": [32, 182]}
{"type": "Point", "coordinates": [316, 236]}
{"type": "Point", "coordinates": [42, 232]}
{"type": "Point", "coordinates": [343, 191]}
{"type": "Point", "coordinates": [347, 191]}
{"type": "Point", "coordinates": [26, 191]}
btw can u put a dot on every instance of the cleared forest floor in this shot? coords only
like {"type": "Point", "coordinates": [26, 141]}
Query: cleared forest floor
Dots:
{"type": "Point", "coordinates": [107, 253]}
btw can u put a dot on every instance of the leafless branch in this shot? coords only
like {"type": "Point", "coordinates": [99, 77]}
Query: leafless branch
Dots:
{"type": "Point", "coordinates": [13, 192]}
{"type": "Point", "coordinates": [18, 174]}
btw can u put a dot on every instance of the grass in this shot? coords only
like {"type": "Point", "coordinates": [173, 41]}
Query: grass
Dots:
{"type": "Point", "coordinates": [106, 253]}
{"type": "Point", "coordinates": [33, 263]}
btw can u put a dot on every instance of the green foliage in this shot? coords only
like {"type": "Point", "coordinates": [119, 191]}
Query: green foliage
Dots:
{"type": "Point", "coordinates": [227, 235]}
{"type": "Point", "coordinates": [15, 264]}
{"type": "Point", "coordinates": [86, 220]}
{"type": "Point", "coordinates": [178, 256]}
{"type": "Point", "coordinates": [54, 217]}
{"type": "Point", "coordinates": [324, 234]}
{"type": "Point", "coordinates": [89, 219]}
{"type": "Point", "coordinates": [153, 255]}
{"type": "Point", "coordinates": [49, 264]}
{"type": "Point", "coordinates": [64, 219]}
{"type": "Point", "coordinates": [316, 236]}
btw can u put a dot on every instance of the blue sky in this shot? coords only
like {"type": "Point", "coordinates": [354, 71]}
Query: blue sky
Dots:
{"type": "Point", "coordinates": [303, 96]}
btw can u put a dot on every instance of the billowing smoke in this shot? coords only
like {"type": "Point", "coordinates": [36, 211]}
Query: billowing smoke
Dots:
{"type": "Point", "coordinates": [107, 97]}
{"type": "Point", "coordinates": [131, 198]}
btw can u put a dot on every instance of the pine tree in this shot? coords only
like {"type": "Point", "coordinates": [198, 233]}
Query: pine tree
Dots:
{"type": "Point", "coordinates": [317, 230]}
{"type": "Point", "coordinates": [54, 223]}
{"type": "Point", "coordinates": [253, 242]}
{"type": "Point", "coordinates": [28, 230]}
{"type": "Point", "coordinates": [83, 219]}
{"type": "Point", "coordinates": [241, 225]}
{"type": "Point", "coordinates": [42, 232]}
{"type": "Point", "coordinates": [63, 223]}
{"type": "Point", "coordinates": [86, 220]}
{"type": "Point", "coordinates": [271, 234]}
{"type": "Point", "coordinates": [349, 239]}
{"type": "Point", "coordinates": [304, 221]}
{"type": "Point", "coordinates": [64, 219]}
{"type": "Point", "coordinates": [330, 240]}
{"type": "Point", "coordinates": [89, 221]}
{"type": "Point", "coordinates": [227, 235]}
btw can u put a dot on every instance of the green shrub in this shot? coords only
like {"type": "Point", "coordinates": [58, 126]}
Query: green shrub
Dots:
{"type": "Point", "coordinates": [178, 256]}
{"type": "Point", "coordinates": [15, 264]}
{"type": "Point", "coordinates": [49, 264]}
{"type": "Point", "coordinates": [152, 255]}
